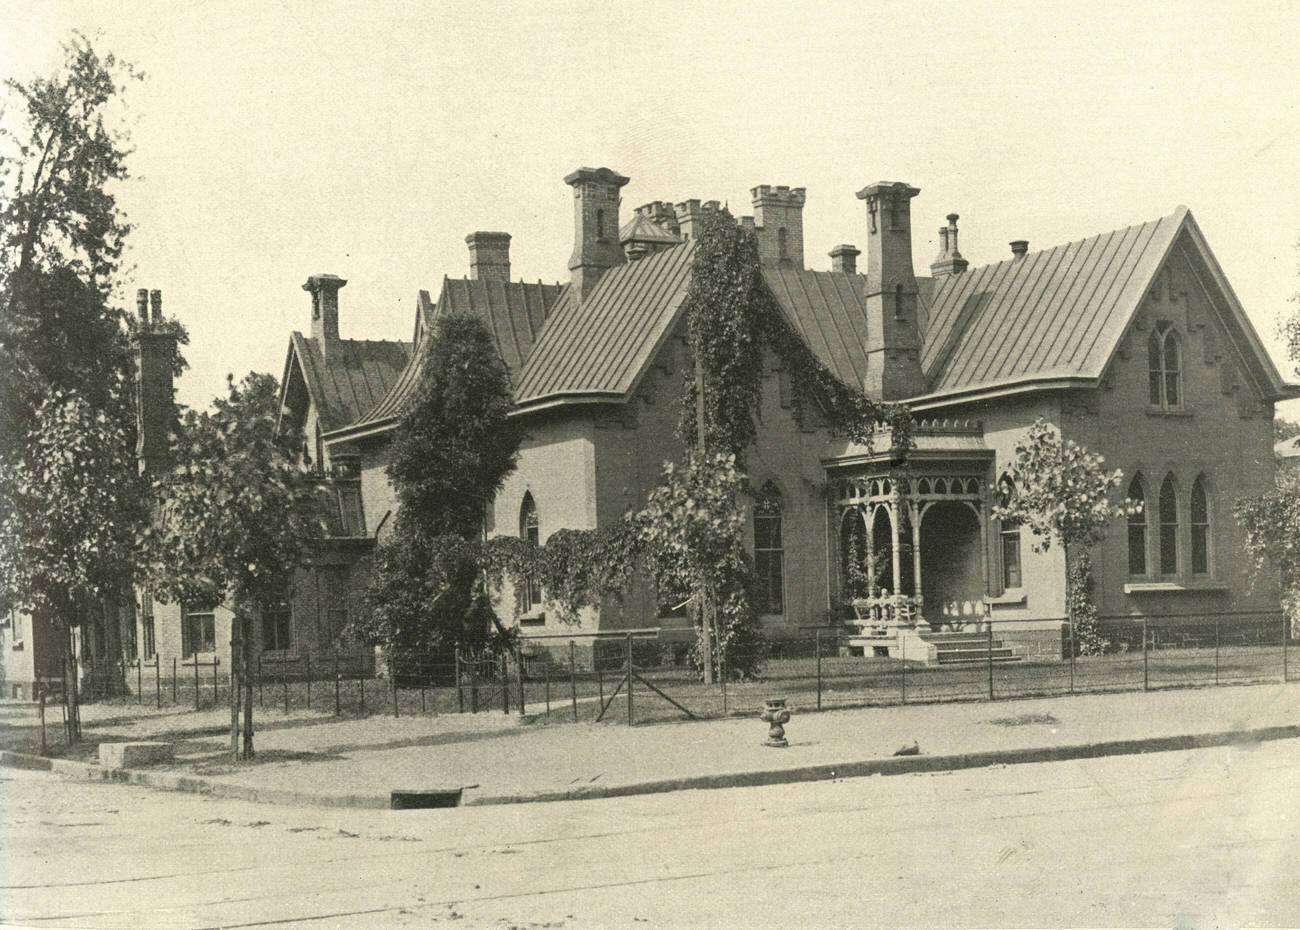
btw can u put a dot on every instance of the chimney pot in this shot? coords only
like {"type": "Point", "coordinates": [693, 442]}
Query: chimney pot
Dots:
{"type": "Point", "coordinates": [142, 304]}
{"type": "Point", "coordinates": [949, 260]}
{"type": "Point", "coordinates": [1020, 247]}
{"type": "Point", "coordinates": [155, 304]}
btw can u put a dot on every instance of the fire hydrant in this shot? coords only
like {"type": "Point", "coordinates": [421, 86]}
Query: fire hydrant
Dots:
{"type": "Point", "coordinates": [776, 714]}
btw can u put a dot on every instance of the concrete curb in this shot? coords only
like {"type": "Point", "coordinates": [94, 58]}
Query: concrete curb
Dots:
{"type": "Point", "coordinates": [901, 765]}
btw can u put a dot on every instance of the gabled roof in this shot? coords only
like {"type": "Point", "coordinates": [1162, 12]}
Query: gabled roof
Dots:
{"type": "Point", "coordinates": [514, 313]}
{"type": "Point", "coordinates": [828, 309]}
{"type": "Point", "coordinates": [597, 349]}
{"type": "Point", "coordinates": [1060, 314]}
{"type": "Point", "coordinates": [348, 379]}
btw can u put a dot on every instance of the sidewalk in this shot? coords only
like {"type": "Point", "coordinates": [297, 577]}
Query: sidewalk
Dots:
{"type": "Point", "coordinates": [358, 762]}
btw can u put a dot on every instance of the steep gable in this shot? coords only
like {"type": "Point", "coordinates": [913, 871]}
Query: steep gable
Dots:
{"type": "Point", "coordinates": [356, 374]}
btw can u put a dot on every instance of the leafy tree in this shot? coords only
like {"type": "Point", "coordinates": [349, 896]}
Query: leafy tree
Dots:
{"type": "Point", "coordinates": [65, 358]}
{"type": "Point", "coordinates": [1284, 429]}
{"type": "Point", "coordinates": [237, 517]}
{"type": "Point", "coordinates": [453, 450]}
{"type": "Point", "coordinates": [1061, 491]}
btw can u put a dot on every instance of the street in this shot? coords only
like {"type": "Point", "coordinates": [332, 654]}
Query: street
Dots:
{"type": "Point", "coordinates": [1205, 838]}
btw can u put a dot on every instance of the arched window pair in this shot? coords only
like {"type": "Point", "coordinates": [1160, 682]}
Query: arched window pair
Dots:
{"type": "Point", "coordinates": [530, 592]}
{"type": "Point", "coordinates": [1166, 518]}
{"type": "Point", "coordinates": [769, 553]}
{"type": "Point", "coordinates": [1164, 367]}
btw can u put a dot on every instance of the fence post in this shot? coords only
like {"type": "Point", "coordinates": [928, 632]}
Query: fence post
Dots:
{"type": "Point", "coordinates": [903, 659]}
{"type": "Point", "coordinates": [473, 685]}
{"type": "Point", "coordinates": [419, 670]}
{"type": "Point", "coordinates": [307, 659]}
{"type": "Point", "coordinates": [629, 680]}
{"type": "Point", "coordinates": [1072, 651]}
{"type": "Point", "coordinates": [261, 698]}
{"type": "Point", "coordinates": [392, 676]}
{"type": "Point", "coordinates": [1286, 636]}
{"type": "Point", "coordinates": [600, 676]}
{"type": "Point", "coordinates": [818, 647]}
{"type": "Point", "coordinates": [519, 661]}
{"type": "Point", "coordinates": [547, 670]}
{"type": "Point", "coordinates": [157, 680]}
{"type": "Point", "coordinates": [284, 687]}
{"type": "Point", "coordinates": [503, 669]}
{"type": "Point", "coordinates": [1146, 661]}
{"type": "Point", "coordinates": [722, 669]}
{"type": "Point", "coordinates": [361, 686]}
{"type": "Point", "coordinates": [338, 683]}
{"type": "Point", "coordinates": [196, 681]}
{"type": "Point", "coordinates": [989, 626]}
{"type": "Point", "coordinates": [216, 698]}
{"type": "Point", "coordinates": [1216, 650]}
{"type": "Point", "coordinates": [573, 677]}
{"type": "Point", "coordinates": [174, 679]}
{"type": "Point", "coordinates": [139, 680]}
{"type": "Point", "coordinates": [460, 694]}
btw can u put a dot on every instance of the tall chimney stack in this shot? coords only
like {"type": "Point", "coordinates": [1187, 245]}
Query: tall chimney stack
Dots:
{"type": "Point", "coordinates": [489, 256]}
{"type": "Point", "coordinates": [155, 357]}
{"type": "Point", "coordinates": [324, 290]}
{"type": "Point", "coordinates": [596, 247]}
{"type": "Point", "coordinates": [894, 360]}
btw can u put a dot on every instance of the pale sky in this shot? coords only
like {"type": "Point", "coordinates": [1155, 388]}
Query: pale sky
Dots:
{"type": "Point", "coordinates": [279, 140]}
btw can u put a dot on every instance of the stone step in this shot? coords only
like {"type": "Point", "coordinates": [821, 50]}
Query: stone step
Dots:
{"type": "Point", "coordinates": [975, 656]}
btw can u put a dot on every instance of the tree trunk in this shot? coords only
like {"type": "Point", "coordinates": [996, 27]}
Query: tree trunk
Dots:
{"type": "Point", "coordinates": [234, 687]}
{"type": "Point", "coordinates": [248, 689]}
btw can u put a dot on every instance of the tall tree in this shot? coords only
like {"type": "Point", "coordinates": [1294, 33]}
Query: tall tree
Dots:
{"type": "Point", "coordinates": [1061, 491]}
{"type": "Point", "coordinates": [65, 359]}
{"type": "Point", "coordinates": [453, 450]}
{"type": "Point", "coordinates": [237, 516]}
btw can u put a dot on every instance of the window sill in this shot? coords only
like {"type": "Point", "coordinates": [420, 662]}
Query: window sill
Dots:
{"type": "Point", "coordinates": [16, 645]}
{"type": "Point", "coordinates": [533, 618]}
{"type": "Point", "coordinates": [1168, 412]}
{"type": "Point", "coordinates": [1009, 596]}
{"type": "Point", "coordinates": [1168, 587]}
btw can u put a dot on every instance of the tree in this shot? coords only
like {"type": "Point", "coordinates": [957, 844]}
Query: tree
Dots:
{"type": "Point", "coordinates": [1061, 491]}
{"type": "Point", "coordinates": [236, 518]}
{"type": "Point", "coordinates": [65, 359]}
{"type": "Point", "coordinates": [453, 450]}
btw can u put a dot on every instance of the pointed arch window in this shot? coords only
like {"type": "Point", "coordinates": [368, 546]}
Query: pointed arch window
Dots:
{"type": "Point", "coordinates": [1137, 528]}
{"type": "Point", "coordinates": [768, 552]}
{"type": "Point", "coordinates": [1168, 526]}
{"type": "Point", "coordinates": [530, 591]}
{"type": "Point", "coordinates": [1009, 540]}
{"type": "Point", "coordinates": [1200, 528]}
{"type": "Point", "coordinates": [1164, 364]}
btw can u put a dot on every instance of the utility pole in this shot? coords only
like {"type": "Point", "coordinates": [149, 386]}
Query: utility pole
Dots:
{"type": "Point", "coordinates": [705, 596]}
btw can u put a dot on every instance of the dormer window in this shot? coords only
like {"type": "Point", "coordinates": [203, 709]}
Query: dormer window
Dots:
{"type": "Point", "coordinates": [1164, 364]}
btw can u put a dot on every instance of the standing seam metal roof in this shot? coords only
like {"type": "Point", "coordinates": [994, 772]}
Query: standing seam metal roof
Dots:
{"type": "Point", "coordinates": [599, 346]}
{"type": "Point", "coordinates": [352, 377]}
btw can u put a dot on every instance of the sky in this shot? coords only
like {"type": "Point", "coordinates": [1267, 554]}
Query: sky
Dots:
{"type": "Point", "coordinates": [367, 139]}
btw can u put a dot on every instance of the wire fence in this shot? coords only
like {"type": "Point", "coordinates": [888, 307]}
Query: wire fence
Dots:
{"type": "Point", "coordinates": [637, 676]}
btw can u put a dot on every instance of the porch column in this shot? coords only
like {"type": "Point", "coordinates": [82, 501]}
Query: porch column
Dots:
{"type": "Point", "coordinates": [895, 528]}
{"type": "Point", "coordinates": [915, 510]}
{"type": "Point", "coordinates": [871, 549]}
{"type": "Point", "coordinates": [985, 516]}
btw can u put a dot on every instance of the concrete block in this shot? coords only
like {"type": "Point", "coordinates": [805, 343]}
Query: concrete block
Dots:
{"type": "Point", "coordinates": [128, 755]}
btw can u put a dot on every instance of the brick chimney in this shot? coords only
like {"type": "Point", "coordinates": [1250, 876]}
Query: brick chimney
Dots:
{"type": "Point", "coordinates": [844, 258]}
{"type": "Point", "coordinates": [894, 359]}
{"type": "Point", "coordinates": [595, 220]}
{"type": "Point", "coordinates": [778, 221]}
{"type": "Point", "coordinates": [949, 260]}
{"type": "Point", "coordinates": [155, 360]}
{"type": "Point", "coordinates": [489, 256]}
{"type": "Point", "coordinates": [690, 213]}
{"type": "Point", "coordinates": [324, 290]}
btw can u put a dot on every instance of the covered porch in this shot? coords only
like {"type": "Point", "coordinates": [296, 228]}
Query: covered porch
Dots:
{"type": "Point", "coordinates": [912, 543]}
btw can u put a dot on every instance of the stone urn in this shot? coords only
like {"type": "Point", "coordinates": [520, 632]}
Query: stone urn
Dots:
{"type": "Point", "coordinates": [776, 714]}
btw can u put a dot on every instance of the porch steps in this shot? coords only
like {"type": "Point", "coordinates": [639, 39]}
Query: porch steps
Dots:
{"type": "Point", "coordinates": [967, 648]}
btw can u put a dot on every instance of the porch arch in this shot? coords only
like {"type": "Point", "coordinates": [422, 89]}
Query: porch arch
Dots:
{"type": "Point", "coordinates": [952, 565]}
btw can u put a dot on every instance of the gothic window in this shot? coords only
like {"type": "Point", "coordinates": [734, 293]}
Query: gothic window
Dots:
{"type": "Point", "coordinates": [1168, 527]}
{"type": "Point", "coordinates": [1009, 541]}
{"type": "Point", "coordinates": [1137, 528]}
{"type": "Point", "coordinates": [1200, 528]}
{"type": "Point", "coordinates": [600, 224]}
{"type": "Point", "coordinates": [782, 246]}
{"type": "Point", "coordinates": [1164, 357]}
{"type": "Point", "coordinates": [768, 552]}
{"type": "Point", "coordinates": [530, 593]}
